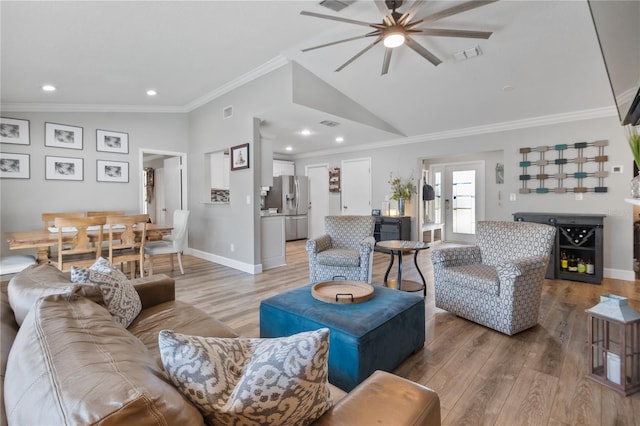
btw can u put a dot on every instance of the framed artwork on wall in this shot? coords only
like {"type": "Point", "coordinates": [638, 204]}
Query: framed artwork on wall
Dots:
{"type": "Point", "coordinates": [63, 168]}
{"type": "Point", "coordinates": [107, 141]}
{"type": "Point", "coordinates": [240, 157]}
{"type": "Point", "coordinates": [15, 131]}
{"type": "Point", "coordinates": [112, 171]}
{"type": "Point", "coordinates": [14, 166]}
{"type": "Point", "coordinates": [62, 136]}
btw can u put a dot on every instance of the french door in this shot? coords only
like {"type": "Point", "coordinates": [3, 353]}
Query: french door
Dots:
{"type": "Point", "coordinates": [459, 199]}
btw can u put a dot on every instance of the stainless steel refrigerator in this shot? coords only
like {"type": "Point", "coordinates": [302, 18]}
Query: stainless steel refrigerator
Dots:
{"type": "Point", "coordinates": [290, 195]}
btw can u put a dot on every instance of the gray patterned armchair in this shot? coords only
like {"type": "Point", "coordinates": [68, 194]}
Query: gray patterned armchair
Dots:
{"type": "Point", "coordinates": [346, 250]}
{"type": "Point", "coordinates": [498, 282]}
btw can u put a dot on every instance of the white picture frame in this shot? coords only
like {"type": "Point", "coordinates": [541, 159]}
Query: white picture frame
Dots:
{"type": "Point", "coordinates": [63, 168]}
{"type": "Point", "coordinates": [14, 166]}
{"type": "Point", "coordinates": [62, 136]}
{"type": "Point", "coordinates": [14, 131]}
{"type": "Point", "coordinates": [112, 171]}
{"type": "Point", "coordinates": [108, 141]}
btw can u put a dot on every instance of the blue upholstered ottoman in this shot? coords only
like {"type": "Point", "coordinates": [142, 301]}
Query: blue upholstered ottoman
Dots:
{"type": "Point", "coordinates": [375, 335]}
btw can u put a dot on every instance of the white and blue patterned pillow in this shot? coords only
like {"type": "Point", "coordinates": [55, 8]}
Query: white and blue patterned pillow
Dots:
{"type": "Point", "coordinates": [120, 297]}
{"type": "Point", "coordinates": [249, 381]}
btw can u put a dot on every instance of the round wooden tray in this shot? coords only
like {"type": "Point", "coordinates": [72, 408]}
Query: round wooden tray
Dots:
{"type": "Point", "coordinates": [342, 291]}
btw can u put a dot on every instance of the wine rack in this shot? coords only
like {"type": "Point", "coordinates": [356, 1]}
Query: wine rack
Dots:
{"type": "Point", "coordinates": [578, 236]}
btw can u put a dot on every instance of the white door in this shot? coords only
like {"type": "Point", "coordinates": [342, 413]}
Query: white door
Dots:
{"type": "Point", "coordinates": [318, 197]}
{"type": "Point", "coordinates": [463, 200]}
{"type": "Point", "coordinates": [356, 187]}
{"type": "Point", "coordinates": [172, 185]}
{"type": "Point", "coordinates": [161, 211]}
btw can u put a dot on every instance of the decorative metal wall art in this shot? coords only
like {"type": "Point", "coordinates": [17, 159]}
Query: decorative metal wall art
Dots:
{"type": "Point", "coordinates": [577, 167]}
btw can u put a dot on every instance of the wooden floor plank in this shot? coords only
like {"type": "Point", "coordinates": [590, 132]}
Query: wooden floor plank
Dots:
{"type": "Point", "coordinates": [530, 400]}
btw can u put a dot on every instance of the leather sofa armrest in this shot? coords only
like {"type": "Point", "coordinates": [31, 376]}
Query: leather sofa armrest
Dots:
{"type": "Point", "coordinates": [155, 289]}
{"type": "Point", "coordinates": [385, 399]}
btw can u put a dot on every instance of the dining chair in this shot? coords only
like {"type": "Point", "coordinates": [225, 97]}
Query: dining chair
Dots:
{"type": "Point", "coordinates": [105, 213]}
{"type": "Point", "coordinates": [75, 244]}
{"type": "Point", "coordinates": [170, 244]}
{"type": "Point", "coordinates": [127, 237]}
{"type": "Point", "coordinates": [49, 218]}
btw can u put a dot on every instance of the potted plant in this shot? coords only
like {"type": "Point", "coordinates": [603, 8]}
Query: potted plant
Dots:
{"type": "Point", "coordinates": [402, 190]}
{"type": "Point", "coordinates": [634, 143]}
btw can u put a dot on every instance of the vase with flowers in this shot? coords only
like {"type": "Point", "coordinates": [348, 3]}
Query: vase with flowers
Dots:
{"type": "Point", "coordinates": [402, 190]}
{"type": "Point", "coordinates": [634, 143]}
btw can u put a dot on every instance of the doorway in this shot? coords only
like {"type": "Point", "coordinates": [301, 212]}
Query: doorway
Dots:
{"type": "Point", "coordinates": [163, 184]}
{"type": "Point", "coordinates": [318, 175]}
{"type": "Point", "coordinates": [459, 198]}
{"type": "Point", "coordinates": [356, 187]}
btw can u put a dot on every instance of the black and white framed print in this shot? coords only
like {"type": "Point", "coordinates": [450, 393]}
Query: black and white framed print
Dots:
{"type": "Point", "coordinates": [13, 130]}
{"type": "Point", "coordinates": [63, 168]}
{"type": "Point", "coordinates": [240, 157]}
{"type": "Point", "coordinates": [62, 136]}
{"type": "Point", "coordinates": [107, 141]}
{"type": "Point", "coordinates": [112, 171]}
{"type": "Point", "coordinates": [14, 166]}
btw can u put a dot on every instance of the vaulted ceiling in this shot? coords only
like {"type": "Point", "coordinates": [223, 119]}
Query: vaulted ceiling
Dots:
{"type": "Point", "coordinates": [542, 60]}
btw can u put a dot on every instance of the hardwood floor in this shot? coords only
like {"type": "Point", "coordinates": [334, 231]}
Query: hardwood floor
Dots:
{"type": "Point", "coordinates": [537, 377]}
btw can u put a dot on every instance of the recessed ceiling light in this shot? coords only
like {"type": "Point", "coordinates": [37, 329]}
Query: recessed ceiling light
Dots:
{"type": "Point", "coordinates": [339, 139]}
{"type": "Point", "coordinates": [289, 148]}
{"type": "Point", "coordinates": [49, 88]}
{"type": "Point", "coordinates": [508, 88]}
{"type": "Point", "coordinates": [306, 132]}
{"type": "Point", "coordinates": [152, 92]}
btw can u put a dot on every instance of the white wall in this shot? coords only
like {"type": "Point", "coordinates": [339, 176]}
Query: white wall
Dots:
{"type": "Point", "coordinates": [618, 228]}
{"type": "Point", "coordinates": [219, 226]}
{"type": "Point", "coordinates": [23, 200]}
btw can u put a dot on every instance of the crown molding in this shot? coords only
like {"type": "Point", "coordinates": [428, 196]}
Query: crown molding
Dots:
{"type": "Point", "coordinates": [588, 114]}
{"type": "Point", "coordinates": [29, 107]}
{"type": "Point", "coordinates": [263, 69]}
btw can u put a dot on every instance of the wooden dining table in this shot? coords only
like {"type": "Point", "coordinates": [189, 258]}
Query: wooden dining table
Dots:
{"type": "Point", "coordinates": [43, 240]}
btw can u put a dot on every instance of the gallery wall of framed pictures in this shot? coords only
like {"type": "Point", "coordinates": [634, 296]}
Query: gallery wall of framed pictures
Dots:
{"type": "Point", "coordinates": [15, 132]}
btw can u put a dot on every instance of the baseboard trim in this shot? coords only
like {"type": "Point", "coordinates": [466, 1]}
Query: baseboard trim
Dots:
{"type": "Point", "coordinates": [225, 261]}
{"type": "Point", "coordinates": [619, 274]}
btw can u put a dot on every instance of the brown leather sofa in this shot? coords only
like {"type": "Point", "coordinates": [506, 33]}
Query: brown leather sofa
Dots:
{"type": "Point", "coordinates": [69, 363]}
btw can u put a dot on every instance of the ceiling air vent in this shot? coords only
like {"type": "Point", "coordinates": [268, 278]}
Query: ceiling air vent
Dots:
{"type": "Point", "coordinates": [227, 112]}
{"type": "Point", "coordinates": [336, 5]}
{"type": "Point", "coordinates": [330, 123]}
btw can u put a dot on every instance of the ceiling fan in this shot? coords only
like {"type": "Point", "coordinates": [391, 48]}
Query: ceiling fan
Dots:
{"type": "Point", "coordinates": [398, 28]}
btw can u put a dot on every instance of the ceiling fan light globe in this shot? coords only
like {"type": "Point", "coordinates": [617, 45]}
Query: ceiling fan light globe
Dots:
{"type": "Point", "coordinates": [394, 39]}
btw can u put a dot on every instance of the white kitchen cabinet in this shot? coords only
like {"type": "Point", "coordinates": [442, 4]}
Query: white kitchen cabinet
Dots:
{"type": "Point", "coordinates": [283, 167]}
{"type": "Point", "coordinates": [272, 245]}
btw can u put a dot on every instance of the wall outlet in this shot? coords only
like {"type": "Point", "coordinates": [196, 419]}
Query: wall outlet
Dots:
{"type": "Point", "coordinates": [233, 247]}
{"type": "Point", "coordinates": [248, 199]}
{"type": "Point", "coordinates": [512, 196]}
{"type": "Point", "coordinates": [579, 196]}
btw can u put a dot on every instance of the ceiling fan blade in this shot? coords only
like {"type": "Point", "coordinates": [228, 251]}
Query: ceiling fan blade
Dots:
{"type": "Point", "coordinates": [387, 60]}
{"type": "Point", "coordinates": [451, 33]}
{"type": "Point", "coordinates": [334, 18]}
{"type": "Point", "coordinates": [457, 9]}
{"type": "Point", "coordinates": [386, 16]}
{"type": "Point", "coordinates": [406, 17]}
{"type": "Point", "coordinates": [422, 51]}
{"type": "Point", "coordinates": [374, 33]}
{"type": "Point", "coordinates": [357, 55]}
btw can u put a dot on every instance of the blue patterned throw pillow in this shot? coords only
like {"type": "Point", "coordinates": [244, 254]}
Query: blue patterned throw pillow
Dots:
{"type": "Point", "coordinates": [249, 381]}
